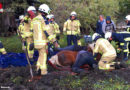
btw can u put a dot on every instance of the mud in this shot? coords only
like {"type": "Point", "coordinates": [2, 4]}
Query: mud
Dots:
{"type": "Point", "coordinates": [17, 79]}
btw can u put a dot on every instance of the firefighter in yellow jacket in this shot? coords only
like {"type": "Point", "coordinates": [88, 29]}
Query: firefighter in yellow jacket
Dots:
{"type": "Point", "coordinates": [20, 30]}
{"type": "Point", "coordinates": [107, 50]}
{"type": "Point", "coordinates": [54, 26]}
{"type": "Point", "coordinates": [72, 29]}
{"type": "Point", "coordinates": [27, 33]}
{"type": "Point", "coordinates": [42, 34]}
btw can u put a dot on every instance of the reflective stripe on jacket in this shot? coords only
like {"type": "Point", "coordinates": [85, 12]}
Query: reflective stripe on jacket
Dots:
{"type": "Point", "coordinates": [104, 47]}
{"type": "Point", "coordinates": [72, 27]}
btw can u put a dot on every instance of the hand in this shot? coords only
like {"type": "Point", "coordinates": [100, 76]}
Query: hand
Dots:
{"type": "Point", "coordinates": [56, 45]}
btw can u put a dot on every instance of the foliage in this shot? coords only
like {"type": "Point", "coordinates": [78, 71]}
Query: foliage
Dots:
{"type": "Point", "coordinates": [124, 7]}
{"type": "Point", "coordinates": [88, 10]}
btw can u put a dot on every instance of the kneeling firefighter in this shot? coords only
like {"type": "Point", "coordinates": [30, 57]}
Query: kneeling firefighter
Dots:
{"type": "Point", "coordinates": [107, 50]}
{"type": "Point", "coordinates": [42, 35]}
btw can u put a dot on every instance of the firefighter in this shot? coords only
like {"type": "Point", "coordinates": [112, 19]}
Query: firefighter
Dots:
{"type": "Point", "coordinates": [108, 52]}
{"type": "Point", "coordinates": [20, 30]}
{"type": "Point", "coordinates": [128, 23]}
{"type": "Point", "coordinates": [128, 27]}
{"type": "Point", "coordinates": [72, 29]}
{"type": "Point", "coordinates": [55, 26]}
{"type": "Point", "coordinates": [27, 32]}
{"type": "Point", "coordinates": [42, 34]}
{"type": "Point", "coordinates": [123, 39]}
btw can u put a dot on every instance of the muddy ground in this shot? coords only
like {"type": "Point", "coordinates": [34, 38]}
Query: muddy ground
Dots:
{"type": "Point", "coordinates": [17, 79]}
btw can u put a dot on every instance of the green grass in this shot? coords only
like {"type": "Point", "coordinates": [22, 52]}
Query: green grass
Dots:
{"type": "Point", "coordinates": [63, 41]}
{"type": "Point", "coordinates": [12, 44]}
{"type": "Point", "coordinates": [117, 84]}
{"type": "Point", "coordinates": [73, 82]}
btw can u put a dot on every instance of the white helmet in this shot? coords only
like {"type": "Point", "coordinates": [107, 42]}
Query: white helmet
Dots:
{"type": "Point", "coordinates": [73, 13]}
{"type": "Point", "coordinates": [21, 17]}
{"type": "Point", "coordinates": [128, 17]}
{"type": "Point", "coordinates": [31, 8]}
{"type": "Point", "coordinates": [94, 36]}
{"type": "Point", "coordinates": [44, 8]}
{"type": "Point", "coordinates": [108, 35]}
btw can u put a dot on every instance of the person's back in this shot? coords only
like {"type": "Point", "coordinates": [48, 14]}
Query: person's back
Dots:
{"type": "Point", "coordinates": [104, 47]}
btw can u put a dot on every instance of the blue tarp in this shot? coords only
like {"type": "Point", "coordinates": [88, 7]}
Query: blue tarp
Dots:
{"type": "Point", "coordinates": [15, 59]}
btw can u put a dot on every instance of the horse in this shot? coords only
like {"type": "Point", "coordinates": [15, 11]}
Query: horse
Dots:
{"type": "Point", "coordinates": [63, 60]}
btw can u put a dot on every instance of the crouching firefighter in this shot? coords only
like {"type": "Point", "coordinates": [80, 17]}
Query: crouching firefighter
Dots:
{"type": "Point", "coordinates": [42, 35]}
{"type": "Point", "coordinates": [107, 50]}
{"type": "Point", "coordinates": [122, 39]}
{"type": "Point", "coordinates": [2, 49]}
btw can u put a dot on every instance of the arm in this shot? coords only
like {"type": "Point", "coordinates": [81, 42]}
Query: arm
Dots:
{"type": "Point", "coordinates": [57, 30]}
{"type": "Point", "coordinates": [78, 32]}
{"type": "Point", "coordinates": [65, 27]}
{"type": "Point", "coordinates": [114, 26]}
{"type": "Point", "coordinates": [50, 35]}
{"type": "Point", "coordinates": [103, 27]}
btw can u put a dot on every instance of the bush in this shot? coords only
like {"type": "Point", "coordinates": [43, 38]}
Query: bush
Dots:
{"type": "Point", "coordinates": [88, 10]}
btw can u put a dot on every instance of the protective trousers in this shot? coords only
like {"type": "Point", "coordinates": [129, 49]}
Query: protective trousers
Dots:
{"type": "Point", "coordinates": [106, 62]}
{"type": "Point", "coordinates": [83, 57]}
{"type": "Point", "coordinates": [30, 49]}
{"type": "Point", "coordinates": [41, 63]}
{"type": "Point", "coordinates": [70, 39]}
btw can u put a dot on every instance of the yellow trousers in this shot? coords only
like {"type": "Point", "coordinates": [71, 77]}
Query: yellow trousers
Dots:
{"type": "Point", "coordinates": [41, 63]}
{"type": "Point", "coordinates": [106, 62]}
{"type": "Point", "coordinates": [29, 41]}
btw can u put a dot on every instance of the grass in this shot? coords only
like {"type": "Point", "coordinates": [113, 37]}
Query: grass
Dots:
{"type": "Point", "coordinates": [86, 83]}
{"type": "Point", "coordinates": [73, 82]}
{"type": "Point", "coordinates": [12, 44]}
{"type": "Point", "coordinates": [116, 84]}
{"type": "Point", "coordinates": [63, 41]}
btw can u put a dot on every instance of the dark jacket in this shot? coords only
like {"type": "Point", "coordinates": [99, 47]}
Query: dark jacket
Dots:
{"type": "Point", "coordinates": [99, 28]}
